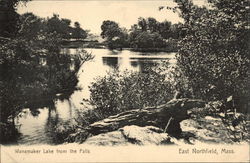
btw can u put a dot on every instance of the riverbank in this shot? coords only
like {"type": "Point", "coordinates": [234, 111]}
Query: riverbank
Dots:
{"type": "Point", "coordinates": [60, 110]}
{"type": "Point", "coordinates": [82, 44]}
{"type": "Point", "coordinates": [98, 45]}
{"type": "Point", "coordinates": [192, 123]}
{"type": "Point", "coordinates": [168, 49]}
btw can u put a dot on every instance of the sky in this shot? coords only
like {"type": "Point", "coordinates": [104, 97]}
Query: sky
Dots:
{"type": "Point", "coordinates": [90, 13]}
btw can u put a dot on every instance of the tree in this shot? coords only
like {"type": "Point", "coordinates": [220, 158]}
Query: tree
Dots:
{"type": "Point", "coordinates": [9, 18]}
{"type": "Point", "coordinates": [25, 76]}
{"type": "Point", "coordinates": [78, 32]}
{"type": "Point", "coordinates": [142, 23]}
{"type": "Point", "coordinates": [147, 39]}
{"type": "Point", "coordinates": [30, 25]}
{"type": "Point", "coordinates": [165, 29]}
{"type": "Point", "coordinates": [214, 55]}
{"type": "Point", "coordinates": [59, 26]}
{"type": "Point", "coordinates": [177, 31]}
{"type": "Point", "coordinates": [110, 29]}
{"type": "Point", "coordinates": [115, 36]}
{"type": "Point", "coordinates": [153, 24]}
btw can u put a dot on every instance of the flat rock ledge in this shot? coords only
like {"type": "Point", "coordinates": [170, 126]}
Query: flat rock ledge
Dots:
{"type": "Point", "coordinates": [136, 135]}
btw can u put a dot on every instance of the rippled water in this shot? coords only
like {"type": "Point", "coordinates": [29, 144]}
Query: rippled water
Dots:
{"type": "Point", "coordinates": [39, 129]}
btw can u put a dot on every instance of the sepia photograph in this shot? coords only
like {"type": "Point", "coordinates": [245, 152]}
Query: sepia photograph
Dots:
{"type": "Point", "coordinates": [124, 81]}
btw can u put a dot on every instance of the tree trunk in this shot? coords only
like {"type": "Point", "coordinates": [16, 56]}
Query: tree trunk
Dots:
{"type": "Point", "coordinates": [155, 116]}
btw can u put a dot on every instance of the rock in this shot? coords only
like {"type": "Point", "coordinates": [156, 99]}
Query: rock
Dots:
{"type": "Point", "coordinates": [148, 135]}
{"type": "Point", "coordinates": [133, 134]}
{"type": "Point", "coordinates": [196, 132]}
{"type": "Point", "coordinates": [212, 118]}
{"type": "Point", "coordinates": [222, 115]}
{"type": "Point", "coordinates": [206, 130]}
{"type": "Point", "coordinates": [107, 139]}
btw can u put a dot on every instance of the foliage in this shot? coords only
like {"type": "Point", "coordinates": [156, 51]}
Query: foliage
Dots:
{"type": "Point", "coordinates": [8, 132]}
{"type": "Point", "coordinates": [166, 29]}
{"type": "Point", "coordinates": [31, 25]}
{"type": "Point", "coordinates": [32, 66]}
{"type": "Point", "coordinates": [78, 32]}
{"type": "Point", "coordinates": [148, 33]}
{"type": "Point", "coordinates": [60, 26]}
{"type": "Point", "coordinates": [9, 17]}
{"type": "Point", "coordinates": [110, 29]}
{"type": "Point", "coordinates": [214, 55]}
{"type": "Point", "coordinates": [147, 40]}
{"type": "Point", "coordinates": [63, 28]}
{"type": "Point", "coordinates": [121, 91]}
{"type": "Point", "coordinates": [115, 36]}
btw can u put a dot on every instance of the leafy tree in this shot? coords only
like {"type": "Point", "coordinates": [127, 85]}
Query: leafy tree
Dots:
{"type": "Point", "coordinates": [30, 25]}
{"type": "Point", "coordinates": [78, 32]}
{"type": "Point", "coordinates": [145, 34]}
{"type": "Point", "coordinates": [151, 34]}
{"type": "Point", "coordinates": [214, 55]}
{"type": "Point", "coordinates": [148, 40]}
{"type": "Point", "coordinates": [178, 31]}
{"type": "Point", "coordinates": [164, 29]}
{"type": "Point", "coordinates": [115, 36]}
{"type": "Point", "coordinates": [142, 23]}
{"type": "Point", "coordinates": [153, 24]}
{"type": "Point", "coordinates": [60, 26]}
{"type": "Point", "coordinates": [110, 29]}
{"type": "Point", "coordinates": [9, 18]}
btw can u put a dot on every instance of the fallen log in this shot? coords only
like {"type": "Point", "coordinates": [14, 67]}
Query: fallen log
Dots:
{"type": "Point", "coordinates": [150, 116]}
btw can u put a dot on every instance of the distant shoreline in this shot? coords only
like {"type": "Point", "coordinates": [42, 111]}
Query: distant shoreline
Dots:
{"type": "Point", "coordinates": [96, 45]}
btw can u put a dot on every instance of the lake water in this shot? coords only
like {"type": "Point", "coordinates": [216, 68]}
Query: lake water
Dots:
{"type": "Point", "coordinates": [39, 129]}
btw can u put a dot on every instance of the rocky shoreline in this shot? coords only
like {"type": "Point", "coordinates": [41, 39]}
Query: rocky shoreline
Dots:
{"type": "Point", "coordinates": [180, 121]}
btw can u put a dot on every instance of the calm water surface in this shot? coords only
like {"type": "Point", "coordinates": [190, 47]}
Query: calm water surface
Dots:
{"type": "Point", "coordinates": [39, 129]}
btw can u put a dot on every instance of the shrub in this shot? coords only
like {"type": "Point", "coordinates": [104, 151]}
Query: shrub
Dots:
{"type": "Point", "coordinates": [121, 91]}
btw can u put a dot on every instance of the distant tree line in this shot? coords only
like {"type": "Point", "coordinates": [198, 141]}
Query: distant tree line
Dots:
{"type": "Point", "coordinates": [147, 33]}
{"type": "Point", "coordinates": [55, 24]}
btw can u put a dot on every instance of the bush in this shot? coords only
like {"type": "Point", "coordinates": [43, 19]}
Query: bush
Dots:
{"type": "Point", "coordinates": [121, 91]}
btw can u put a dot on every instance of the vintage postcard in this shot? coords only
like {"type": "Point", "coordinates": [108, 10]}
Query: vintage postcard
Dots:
{"type": "Point", "coordinates": [124, 81]}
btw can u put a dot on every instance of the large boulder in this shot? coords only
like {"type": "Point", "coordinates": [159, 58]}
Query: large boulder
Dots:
{"type": "Point", "coordinates": [107, 139]}
{"type": "Point", "coordinates": [148, 135]}
{"type": "Point", "coordinates": [213, 129]}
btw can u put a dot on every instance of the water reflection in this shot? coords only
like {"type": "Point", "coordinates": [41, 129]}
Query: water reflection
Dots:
{"type": "Point", "coordinates": [144, 65]}
{"type": "Point", "coordinates": [51, 122]}
{"type": "Point", "coordinates": [38, 125]}
{"type": "Point", "coordinates": [110, 61]}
